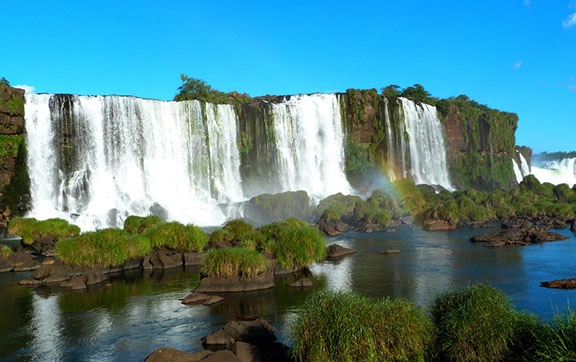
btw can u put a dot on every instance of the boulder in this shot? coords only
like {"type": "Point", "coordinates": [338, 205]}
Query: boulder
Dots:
{"type": "Point", "coordinates": [162, 259]}
{"type": "Point", "coordinates": [370, 227]}
{"type": "Point", "coordinates": [76, 282]}
{"type": "Point", "coordinates": [223, 285]}
{"type": "Point", "coordinates": [94, 276]}
{"type": "Point", "coordinates": [222, 356]}
{"type": "Point", "coordinates": [518, 237]}
{"type": "Point", "coordinates": [166, 354]}
{"type": "Point", "coordinates": [18, 262]}
{"type": "Point", "coordinates": [213, 300]}
{"type": "Point", "coordinates": [336, 251]}
{"type": "Point", "coordinates": [438, 225]}
{"type": "Point", "coordinates": [407, 220]}
{"type": "Point", "coordinates": [248, 352]}
{"type": "Point", "coordinates": [253, 330]}
{"type": "Point", "coordinates": [560, 284]}
{"type": "Point", "coordinates": [195, 298]}
{"type": "Point", "coordinates": [302, 283]}
{"type": "Point", "coordinates": [193, 259]}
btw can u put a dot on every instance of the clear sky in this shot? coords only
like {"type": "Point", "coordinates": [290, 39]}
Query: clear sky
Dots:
{"type": "Point", "coordinates": [514, 55]}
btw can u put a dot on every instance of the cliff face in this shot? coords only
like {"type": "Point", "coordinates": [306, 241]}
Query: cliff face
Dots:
{"type": "Point", "coordinates": [479, 141]}
{"type": "Point", "coordinates": [14, 182]}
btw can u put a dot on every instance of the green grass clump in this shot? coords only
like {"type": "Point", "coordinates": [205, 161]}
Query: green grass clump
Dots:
{"type": "Point", "coordinates": [233, 263]}
{"type": "Point", "coordinates": [139, 224]}
{"type": "Point", "coordinates": [108, 247]}
{"type": "Point", "coordinates": [31, 229]}
{"type": "Point", "coordinates": [476, 323]}
{"type": "Point", "coordinates": [238, 233]}
{"type": "Point", "coordinates": [293, 244]}
{"type": "Point", "coordinates": [174, 235]}
{"type": "Point", "coordinates": [346, 327]}
{"type": "Point", "coordinates": [5, 251]}
{"type": "Point", "coordinates": [558, 340]}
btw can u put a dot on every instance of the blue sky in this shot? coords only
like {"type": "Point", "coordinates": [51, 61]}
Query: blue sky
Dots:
{"type": "Point", "coordinates": [514, 55]}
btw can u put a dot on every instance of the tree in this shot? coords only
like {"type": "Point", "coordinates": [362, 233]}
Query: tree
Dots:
{"type": "Point", "coordinates": [4, 81]}
{"type": "Point", "coordinates": [193, 88]}
{"type": "Point", "coordinates": [392, 90]}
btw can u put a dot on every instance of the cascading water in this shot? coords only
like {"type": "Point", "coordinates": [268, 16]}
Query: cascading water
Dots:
{"type": "Point", "coordinates": [521, 170]}
{"type": "Point", "coordinates": [310, 145]}
{"type": "Point", "coordinates": [556, 172]}
{"type": "Point", "coordinates": [426, 144]}
{"type": "Point", "coordinates": [96, 160]}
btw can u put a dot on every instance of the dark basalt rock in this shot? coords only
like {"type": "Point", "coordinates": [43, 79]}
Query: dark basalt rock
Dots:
{"type": "Point", "coordinates": [193, 258]}
{"type": "Point", "coordinates": [518, 237]}
{"type": "Point", "coordinates": [227, 285]}
{"type": "Point", "coordinates": [336, 251]}
{"type": "Point", "coordinates": [213, 300]}
{"type": "Point", "coordinates": [18, 262]}
{"type": "Point", "coordinates": [560, 284]}
{"type": "Point", "coordinates": [370, 228]}
{"type": "Point", "coordinates": [195, 298]}
{"type": "Point", "coordinates": [438, 225]}
{"type": "Point", "coordinates": [305, 282]}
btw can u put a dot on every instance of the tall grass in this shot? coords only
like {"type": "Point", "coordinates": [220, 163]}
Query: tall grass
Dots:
{"type": "Point", "coordinates": [558, 342]}
{"type": "Point", "coordinates": [139, 224]}
{"type": "Point", "coordinates": [31, 229]}
{"type": "Point", "coordinates": [108, 247]}
{"type": "Point", "coordinates": [476, 323]}
{"type": "Point", "coordinates": [238, 233]}
{"type": "Point", "coordinates": [293, 243]}
{"type": "Point", "coordinates": [5, 251]}
{"type": "Point", "coordinates": [174, 235]}
{"type": "Point", "coordinates": [233, 263]}
{"type": "Point", "coordinates": [341, 327]}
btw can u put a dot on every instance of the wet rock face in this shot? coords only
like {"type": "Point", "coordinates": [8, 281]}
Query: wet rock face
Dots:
{"type": "Point", "coordinates": [518, 237]}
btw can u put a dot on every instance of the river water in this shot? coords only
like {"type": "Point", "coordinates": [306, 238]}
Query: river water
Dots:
{"type": "Point", "coordinates": [135, 314]}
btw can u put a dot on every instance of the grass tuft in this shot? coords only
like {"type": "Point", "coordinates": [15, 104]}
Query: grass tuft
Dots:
{"type": "Point", "coordinates": [139, 224]}
{"type": "Point", "coordinates": [108, 247]}
{"type": "Point", "coordinates": [5, 251]}
{"type": "Point", "coordinates": [176, 236]}
{"type": "Point", "coordinates": [558, 340]}
{"type": "Point", "coordinates": [31, 229]}
{"type": "Point", "coordinates": [346, 327]}
{"type": "Point", "coordinates": [233, 263]}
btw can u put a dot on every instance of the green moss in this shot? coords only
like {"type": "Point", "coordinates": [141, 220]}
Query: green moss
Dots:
{"type": "Point", "coordinates": [173, 235]}
{"type": "Point", "coordinates": [139, 225]}
{"type": "Point", "coordinates": [284, 205]}
{"type": "Point", "coordinates": [10, 145]}
{"type": "Point", "coordinates": [341, 327]}
{"type": "Point", "coordinates": [5, 251]}
{"type": "Point", "coordinates": [16, 106]}
{"type": "Point", "coordinates": [338, 203]}
{"type": "Point", "coordinates": [108, 247]}
{"type": "Point", "coordinates": [32, 230]}
{"type": "Point", "coordinates": [233, 263]}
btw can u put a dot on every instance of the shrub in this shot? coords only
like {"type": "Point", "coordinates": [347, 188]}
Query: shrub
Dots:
{"type": "Point", "coordinates": [139, 224]}
{"type": "Point", "coordinates": [174, 235]}
{"type": "Point", "coordinates": [294, 244]}
{"type": "Point", "coordinates": [108, 247]}
{"type": "Point", "coordinates": [337, 326]}
{"type": "Point", "coordinates": [558, 342]}
{"type": "Point", "coordinates": [233, 263]}
{"type": "Point", "coordinates": [476, 323]}
{"type": "Point", "coordinates": [237, 232]}
{"type": "Point", "coordinates": [5, 251]}
{"type": "Point", "coordinates": [31, 229]}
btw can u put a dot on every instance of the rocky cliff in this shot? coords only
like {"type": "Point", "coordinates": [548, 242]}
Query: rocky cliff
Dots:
{"type": "Point", "coordinates": [14, 182]}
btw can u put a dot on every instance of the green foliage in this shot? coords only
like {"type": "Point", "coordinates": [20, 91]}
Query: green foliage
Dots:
{"type": "Point", "coordinates": [10, 145]}
{"type": "Point", "coordinates": [477, 323]}
{"type": "Point", "coordinates": [294, 244]}
{"type": "Point", "coordinates": [5, 251]}
{"type": "Point", "coordinates": [284, 205]}
{"type": "Point", "coordinates": [108, 247]}
{"type": "Point", "coordinates": [392, 90]}
{"type": "Point", "coordinates": [233, 263]}
{"type": "Point", "coordinates": [173, 235]}
{"type": "Point", "coordinates": [558, 340]}
{"type": "Point", "coordinates": [15, 106]}
{"type": "Point", "coordinates": [358, 158]}
{"type": "Point", "coordinates": [378, 209]}
{"type": "Point", "coordinates": [32, 230]}
{"type": "Point", "coordinates": [338, 203]}
{"type": "Point", "coordinates": [139, 224]}
{"type": "Point", "coordinates": [341, 327]}
{"type": "Point", "coordinates": [417, 93]}
{"type": "Point", "coordinates": [193, 88]}
{"type": "Point", "coordinates": [4, 81]}
{"type": "Point", "coordinates": [246, 143]}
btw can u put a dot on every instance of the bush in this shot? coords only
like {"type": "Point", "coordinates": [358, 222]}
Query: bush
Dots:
{"type": "Point", "coordinates": [176, 236]}
{"type": "Point", "coordinates": [31, 229]}
{"type": "Point", "coordinates": [108, 247]}
{"type": "Point", "coordinates": [294, 244]}
{"type": "Point", "coordinates": [233, 263]}
{"type": "Point", "coordinates": [558, 342]}
{"type": "Point", "coordinates": [139, 224]}
{"type": "Point", "coordinates": [476, 323]}
{"type": "Point", "coordinates": [236, 232]}
{"type": "Point", "coordinates": [337, 326]}
{"type": "Point", "coordinates": [5, 251]}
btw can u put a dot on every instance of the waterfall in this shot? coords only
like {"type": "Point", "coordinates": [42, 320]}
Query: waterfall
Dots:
{"type": "Point", "coordinates": [96, 160]}
{"type": "Point", "coordinates": [310, 145]}
{"type": "Point", "coordinates": [521, 170]}
{"type": "Point", "coordinates": [556, 172]}
{"type": "Point", "coordinates": [426, 144]}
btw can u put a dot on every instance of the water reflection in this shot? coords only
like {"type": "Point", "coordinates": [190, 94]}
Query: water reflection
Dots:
{"type": "Point", "coordinates": [136, 313]}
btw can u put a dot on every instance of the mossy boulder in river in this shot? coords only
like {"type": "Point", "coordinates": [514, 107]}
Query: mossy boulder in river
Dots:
{"type": "Point", "coordinates": [276, 207]}
{"type": "Point", "coordinates": [42, 235]}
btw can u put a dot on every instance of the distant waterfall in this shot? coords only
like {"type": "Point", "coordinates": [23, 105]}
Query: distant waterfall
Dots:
{"type": "Point", "coordinates": [521, 170]}
{"type": "Point", "coordinates": [96, 160]}
{"type": "Point", "coordinates": [426, 144]}
{"type": "Point", "coordinates": [310, 145]}
{"type": "Point", "coordinates": [556, 172]}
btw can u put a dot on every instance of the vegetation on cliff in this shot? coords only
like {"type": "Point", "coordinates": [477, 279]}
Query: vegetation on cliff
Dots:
{"type": "Point", "coordinates": [193, 88]}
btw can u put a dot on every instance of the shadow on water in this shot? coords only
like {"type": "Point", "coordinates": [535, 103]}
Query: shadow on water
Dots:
{"type": "Point", "coordinates": [135, 313]}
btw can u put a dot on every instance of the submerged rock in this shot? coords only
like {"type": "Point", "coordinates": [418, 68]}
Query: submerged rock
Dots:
{"type": "Point", "coordinates": [195, 298]}
{"type": "Point", "coordinates": [336, 251]}
{"type": "Point", "coordinates": [305, 282]}
{"type": "Point", "coordinates": [438, 225]}
{"type": "Point", "coordinates": [389, 251]}
{"type": "Point", "coordinates": [518, 237]}
{"type": "Point", "coordinates": [213, 300]}
{"type": "Point", "coordinates": [560, 284]}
